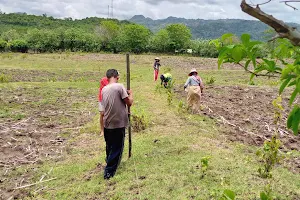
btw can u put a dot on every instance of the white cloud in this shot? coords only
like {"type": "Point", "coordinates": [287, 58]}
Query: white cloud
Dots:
{"type": "Point", "coordinates": [156, 9]}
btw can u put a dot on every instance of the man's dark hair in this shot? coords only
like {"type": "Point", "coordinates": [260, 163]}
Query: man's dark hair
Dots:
{"type": "Point", "coordinates": [112, 73]}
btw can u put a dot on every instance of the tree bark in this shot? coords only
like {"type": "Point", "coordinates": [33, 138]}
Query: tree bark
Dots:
{"type": "Point", "coordinates": [283, 30]}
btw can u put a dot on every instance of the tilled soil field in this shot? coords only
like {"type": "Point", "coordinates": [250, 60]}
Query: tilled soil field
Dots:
{"type": "Point", "coordinates": [18, 75]}
{"type": "Point", "coordinates": [35, 128]}
{"type": "Point", "coordinates": [246, 114]}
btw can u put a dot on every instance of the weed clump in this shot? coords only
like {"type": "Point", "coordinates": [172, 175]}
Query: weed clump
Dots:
{"type": "Point", "coordinates": [170, 92]}
{"type": "Point", "coordinates": [211, 80]}
{"type": "Point", "coordinates": [139, 120]}
{"type": "Point", "coordinates": [52, 79]}
{"type": "Point", "coordinates": [4, 78]}
{"type": "Point", "coordinates": [251, 82]}
{"type": "Point", "coordinates": [270, 156]}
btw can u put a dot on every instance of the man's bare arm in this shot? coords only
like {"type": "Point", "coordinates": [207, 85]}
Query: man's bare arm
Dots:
{"type": "Point", "coordinates": [129, 100]}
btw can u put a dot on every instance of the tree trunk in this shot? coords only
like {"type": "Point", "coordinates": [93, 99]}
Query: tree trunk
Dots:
{"type": "Point", "coordinates": [283, 30]}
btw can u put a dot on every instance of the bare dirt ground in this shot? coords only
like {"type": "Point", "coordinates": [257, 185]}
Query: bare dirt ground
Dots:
{"type": "Point", "coordinates": [17, 75]}
{"type": "Point", "coordinates": [166, 61]}
{"type": "Point", "coordinates": [41, 132]}
{"type": "Point", "coordinates": [246, 113]}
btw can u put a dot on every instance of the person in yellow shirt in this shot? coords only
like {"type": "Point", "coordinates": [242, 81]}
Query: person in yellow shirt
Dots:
{"type": "Point", "coordinates": [165, 79]}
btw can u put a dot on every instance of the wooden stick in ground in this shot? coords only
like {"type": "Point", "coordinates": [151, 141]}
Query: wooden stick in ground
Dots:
{"type": "Point", "coordinates": [128, 88]}
{"type": "Point", "coordinates": [25, 186]}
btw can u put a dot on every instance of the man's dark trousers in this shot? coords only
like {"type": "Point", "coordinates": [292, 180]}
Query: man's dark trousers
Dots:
{"type": "Point", "coordinates": [114, 139]}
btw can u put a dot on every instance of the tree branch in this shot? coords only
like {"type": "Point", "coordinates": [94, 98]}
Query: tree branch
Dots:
{"type": "Point", "coordinates": [283, 30]}
{"type": "Point", "coordinates": [264, 3]}
{"type": "Point", "coordinates": [274, 38]}
{"type": "Point", "coordinates": [286, 3]}
{"type": "Point", "coordinates": [251, 72]}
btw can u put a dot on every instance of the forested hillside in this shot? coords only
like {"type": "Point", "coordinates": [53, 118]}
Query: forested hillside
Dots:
{"type": "Point", "coordinates": [209, 29]}
{"type": "Point", "coordinates": [23, 22]}
{"type": "Point", "coordinates": [21, 32]}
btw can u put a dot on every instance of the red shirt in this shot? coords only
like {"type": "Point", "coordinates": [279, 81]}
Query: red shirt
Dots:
{"type": "Point", "coordinates": [103, 83]}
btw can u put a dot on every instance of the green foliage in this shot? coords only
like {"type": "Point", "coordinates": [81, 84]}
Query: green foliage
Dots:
{"type": "Point", "coordinates": [251, 82]}
{"type": "Point", "coordinates": [134, 38]}
{"type": "Point", "coordinates": [2, 45]}
{"type": "Point", "coordinates": [108, 31]}
{"type": "Point", "coordinates": [10, 35]}
{"type": "Point", "coordinates": [294, 119]}
{"type": "Point", "coordinates": [267, 194]}
{"type": "Point", "coordinates": [211, 80]}
{"type": "Point", "coordinates": [52, 79]}
{"type": "Point", "coordinates": [248, 52]}
{"type": "Point", "coordinates": [235, 53]}
{"type": "Point", "coordinates": [204, 163]}
{"type": "Point", "coordinates": [18, 46]}
{"type": "Point", "coordinates": [181, 107]}
{"type": "Point", "coordinates": [179, 36]}
{"type": "Point", "coordinates": [228, 195]}
{"type": "Point", "coordinates": [139, 121]}
{"type": "Point", "coordinates": [160, 41]}
{"type": "Point", "coordinates": [204, 48]}
{"type": "Point", "coordinates": [4, 78]}
{"type": "Point", "coordinates": [170, 97]}
{"type": "Point", "coordinates": [170, 92]}
{"type": "Point", "coordinates": [269, 156]}
{"type": "Point", "coordinates": [277, 104]}
{"type": "Point", "coordinates": [47, 34]}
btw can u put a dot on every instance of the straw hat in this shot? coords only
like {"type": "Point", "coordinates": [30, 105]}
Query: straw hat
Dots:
{"type": "Point", "coordinates": [157, 58]}
{"type": "Point", "coordinates": [193, 70]}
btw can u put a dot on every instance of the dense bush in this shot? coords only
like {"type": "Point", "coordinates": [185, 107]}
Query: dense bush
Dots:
{"type": "Point", "coordinates": [204, 48]}
{"type": "Point", "coordinates": [18, 46]}
{"type": "Point", "coordinates": [2, 45]}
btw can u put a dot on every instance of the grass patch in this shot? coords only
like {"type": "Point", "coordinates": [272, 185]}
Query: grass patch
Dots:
{"type": "Point", "coordinates": [170, 155]}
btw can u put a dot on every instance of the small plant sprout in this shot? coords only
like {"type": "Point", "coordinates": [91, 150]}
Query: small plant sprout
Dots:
{"type": "Point", "coordinates": [211, 80]}
{"type": "Point", "coordinates": [270, 151]}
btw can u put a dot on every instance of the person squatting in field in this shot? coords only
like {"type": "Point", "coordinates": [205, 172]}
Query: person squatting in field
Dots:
{"type": "Point", "coordinates": [103, 83]}
{"type": "Point", "coordinates": [165, 79]}
{"type": "Point", "coordinates": [156, 66]}
{"type": "Point", "coordinates": [115, 101]}
{"type": "Point", "coordinates": [194, 86]}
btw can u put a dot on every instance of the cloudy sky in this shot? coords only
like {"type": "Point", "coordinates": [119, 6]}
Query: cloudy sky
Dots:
{"type": "Point", "coordinates": [155, 9]}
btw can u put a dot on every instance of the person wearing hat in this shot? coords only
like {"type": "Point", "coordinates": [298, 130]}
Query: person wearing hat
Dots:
{"type": "Point", "coordinates": [194, 86]}
{"type": "Point", "coordinates": [165, 79]}
{"type": "Point", "coordinates": [156, 66]}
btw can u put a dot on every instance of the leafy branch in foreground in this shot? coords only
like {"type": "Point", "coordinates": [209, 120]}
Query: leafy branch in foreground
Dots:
{"type": "Point", "coordinates": [283, 62]}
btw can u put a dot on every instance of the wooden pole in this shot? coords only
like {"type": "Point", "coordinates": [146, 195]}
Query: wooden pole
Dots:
{"type": "Point", "coordinates": [128, 88]}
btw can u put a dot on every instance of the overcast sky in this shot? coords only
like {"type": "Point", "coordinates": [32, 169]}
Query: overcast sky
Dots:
{"type": "Point", "coordinates": [155, 9]}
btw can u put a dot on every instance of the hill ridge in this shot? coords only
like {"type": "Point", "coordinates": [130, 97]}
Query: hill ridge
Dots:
{"type": "Point", "coordinates": [209, 28]}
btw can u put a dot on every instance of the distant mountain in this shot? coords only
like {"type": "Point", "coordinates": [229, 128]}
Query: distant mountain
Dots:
{"type": "Point", "coordinates": [209, 29]}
